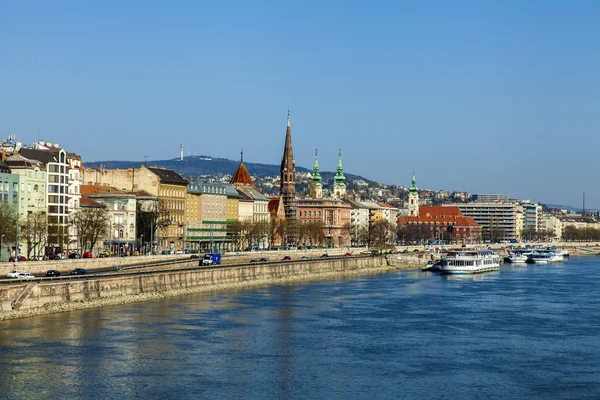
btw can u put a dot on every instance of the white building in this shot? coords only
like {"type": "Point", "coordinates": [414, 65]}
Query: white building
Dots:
{"type": "Point", "coordinates": [497, 220]}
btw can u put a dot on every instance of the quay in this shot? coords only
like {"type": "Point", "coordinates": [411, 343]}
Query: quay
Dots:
{"type": "Point", "coordinates": [24, 299]}
{"type": "Point", "coordinates": [137, 283]}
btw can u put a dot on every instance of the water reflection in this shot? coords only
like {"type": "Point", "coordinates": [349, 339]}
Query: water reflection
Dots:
{"type": "Point", "coordinates": [522, 332]}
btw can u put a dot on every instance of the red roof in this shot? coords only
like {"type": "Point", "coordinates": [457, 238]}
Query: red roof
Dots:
{"type": "Point", "coordinates": [101, 189]}
{"type": "Point", "coordinates": [439, 215]}
{"type": "Point", "coordinates": [143, 193]}
{"type": "Point", "coordinates": [273, 205]}
{"type": "Point", "coordinates": [87, 202]}
{"type": "Point", "coordinates": [439, 211]}
{"type": "Point", "coordinates": [242, 176]}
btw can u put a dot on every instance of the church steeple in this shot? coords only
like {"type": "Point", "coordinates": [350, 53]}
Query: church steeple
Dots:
{"type": "Point", "coordinates": [288, 178]}
{"type": "Point", "coordinates": [339, 185]}
{"type": "Point", "coordinates": [316, 187]}
{"type": "Point", "coordinates": [413, 198]}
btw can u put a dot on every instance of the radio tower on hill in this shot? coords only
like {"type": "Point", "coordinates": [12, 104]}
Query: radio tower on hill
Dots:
{"type": "Point", "coordinates": [181, 155]}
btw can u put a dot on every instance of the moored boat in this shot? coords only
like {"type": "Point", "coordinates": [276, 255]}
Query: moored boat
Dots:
{"type": "Point", "coordinates": [518, 256]}
{"type": "Point", "coordinates": [544, 257]}
{"type": "Point", "coordinates": [470, 262]}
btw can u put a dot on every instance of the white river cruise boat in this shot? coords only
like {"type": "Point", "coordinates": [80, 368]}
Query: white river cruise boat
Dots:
{"type": "Point", "coordinates": [470, 262]}
{"type": "Point", "coordinates": [518, 256]}
{"type": "Point", "coordinates": [544, 257]}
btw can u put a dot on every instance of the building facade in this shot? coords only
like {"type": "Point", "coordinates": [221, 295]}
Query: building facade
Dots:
{"type": "Point", "coordinates": [207, 216]}
{"type": "Point", "coordinates": [121, 206]}
{"type": "Point", "coordinates": [57, 192]}
{"type": "Point", "coordinates": [498, 220]}
{"type": "Point", "coordinates": [333, 214]}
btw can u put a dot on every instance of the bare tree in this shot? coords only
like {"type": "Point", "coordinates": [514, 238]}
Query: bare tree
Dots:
{"type": "Point", "coordinates": [273, 234]}
{"type": "Point", "coordinates": [8, 225]}
{"type": "Point", "coordinates": [316, 232]}
{"type": "Point", "coordinates": [382, 235]}
{"type": "Point", "coordinates": [34, 228]}
{"type": "Point", "coordinates": [151, 216]}
{"type": "Point", "coordinates": [91, 224]}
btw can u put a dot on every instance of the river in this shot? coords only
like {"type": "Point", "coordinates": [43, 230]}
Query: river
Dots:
{"type": "Point", "coordinates": [523, 332]}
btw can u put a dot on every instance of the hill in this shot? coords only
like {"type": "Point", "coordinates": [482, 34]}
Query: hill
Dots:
{"type": "Point", "coordinates": [200, 166]}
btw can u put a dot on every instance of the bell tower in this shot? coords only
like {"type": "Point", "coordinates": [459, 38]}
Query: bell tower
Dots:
{"type": "Point", "coordinates": [339, 180]}
{"type": "Point", "coordinates": [288, 182]}
{"type": "Point", "coordinates": [316, 187]}
{"type": "Point", "coordinates": [413, 198]}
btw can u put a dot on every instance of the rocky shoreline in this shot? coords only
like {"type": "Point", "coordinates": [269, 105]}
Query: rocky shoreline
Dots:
{"type": "Point", "coordinates": [129, 299]}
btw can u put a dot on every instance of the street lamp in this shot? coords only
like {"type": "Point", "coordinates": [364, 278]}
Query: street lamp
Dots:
{"type": "Point", "coordinates": [141, 243]}
{"type": "Point", "coordinates": [1, 240]}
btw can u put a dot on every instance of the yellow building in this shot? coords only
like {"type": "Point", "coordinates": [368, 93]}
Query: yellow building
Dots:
{"type": "Point", "coordinates": [172, 198]}
{"type": "Point", "coordinates": [166, 184]}
{"type": "Point", "coordinates": [210, 209]}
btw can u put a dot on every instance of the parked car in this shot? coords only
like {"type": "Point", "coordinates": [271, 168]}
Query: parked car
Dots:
{"type": "Point", "coordinates": [78, 271]}
{"type": "Point", "coordinates": [415, 250]}
{"type": "Point", "coordinates": [52, 272]}
{"type": "Point", "coordinates": [87, 254]}
{"type": "Point", "coordinates": [194, 257]}
{"type": "Point", "coordinates": [253, 261]}
{"type": "Point", "coordinates": [366, 252]}
{"type": "Point", "coordinates": [286, 258]}
{"type": "Point", "coordinates": [324, 255]}
{"type": "Point", "coordinates": [263, 260]}
{"type": "Point", "coordinates": [304, 258]}
{"type": "Point", "coordinates": [348, 255]}
{"type": "Point", "coordinates": [74, 256]}
{"type": "Point", "coordinates": [56, 256]}
{"type": "Point", "coordinates": [14, 274]}
{"type": "Point", "coordinates": [20, 259]}
{"type": "Point", "coordinates": [25, 275]}
{"type": "Point", "coordinates": [405, 251]}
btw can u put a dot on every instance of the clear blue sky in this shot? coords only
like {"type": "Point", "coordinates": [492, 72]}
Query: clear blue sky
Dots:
{"type": "Point", "coordinates": [482, 96]}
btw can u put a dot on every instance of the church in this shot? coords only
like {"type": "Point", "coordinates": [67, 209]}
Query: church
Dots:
{"type": "Point", "coordinates": [331, 213]}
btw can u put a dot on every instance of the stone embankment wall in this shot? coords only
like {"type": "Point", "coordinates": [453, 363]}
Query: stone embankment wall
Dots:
{"type": "Point", "coordinates": [47, 297]}
{"type": "Point", "coordinates": [38, 267]}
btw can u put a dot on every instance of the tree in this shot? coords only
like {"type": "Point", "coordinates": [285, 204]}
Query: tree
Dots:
{"type": "Point", "coordinates": [8, 226]}
{"type": "Point", "coordinates": [272, 234]}
{"type": "Point", "coordinates": [528, 234]}
{"type": "Point", "coordinates": [359, 235]}
{"type": "Point", "coordinates": [91, 224]}
{"type": "Point", "coordinates": [34, 228]}
{"type": "Point", "coordinates": [258, 231]}
{"type": "Point", "coordinates": [382, 235]}
{"type": "Point", "coordinates": [151, 215]}
{"type": "Point", "coordinates": [316, 232]}
{"type": "Point", "coordinates": [345, 234]}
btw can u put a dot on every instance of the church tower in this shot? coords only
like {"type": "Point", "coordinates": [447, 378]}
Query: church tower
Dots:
{"type": "Point", "coordinates": [413, 198]}
{"type": "Point", "coordinates": [288, 181]}
{"type": "Point", "coordinates": [316, 187]}
{"type": "Point", "coordinates": [339, 180]}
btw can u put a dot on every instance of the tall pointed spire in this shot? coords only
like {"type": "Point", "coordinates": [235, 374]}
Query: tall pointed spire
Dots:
{"type": "Point", "coordinates": [316, 176]}
{"type": "Point", "coordinates": [339, 180]}
{"type": "Point", "coordinates": [339, 176]}
{"type": "Point", "coordinates": [242, 156]}
{"type": "Point", "coordinates": [288, 181]}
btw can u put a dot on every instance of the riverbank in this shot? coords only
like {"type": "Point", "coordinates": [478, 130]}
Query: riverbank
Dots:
{"type": "Point", "coordinates": [218, 280]}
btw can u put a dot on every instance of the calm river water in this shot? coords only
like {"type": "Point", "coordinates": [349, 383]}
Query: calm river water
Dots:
{"type": "Point", "coordinates": [523, 332]}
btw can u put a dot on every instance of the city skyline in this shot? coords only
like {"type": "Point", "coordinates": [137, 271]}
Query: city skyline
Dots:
{"type": "Point", "coordinates": [494, 99]}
